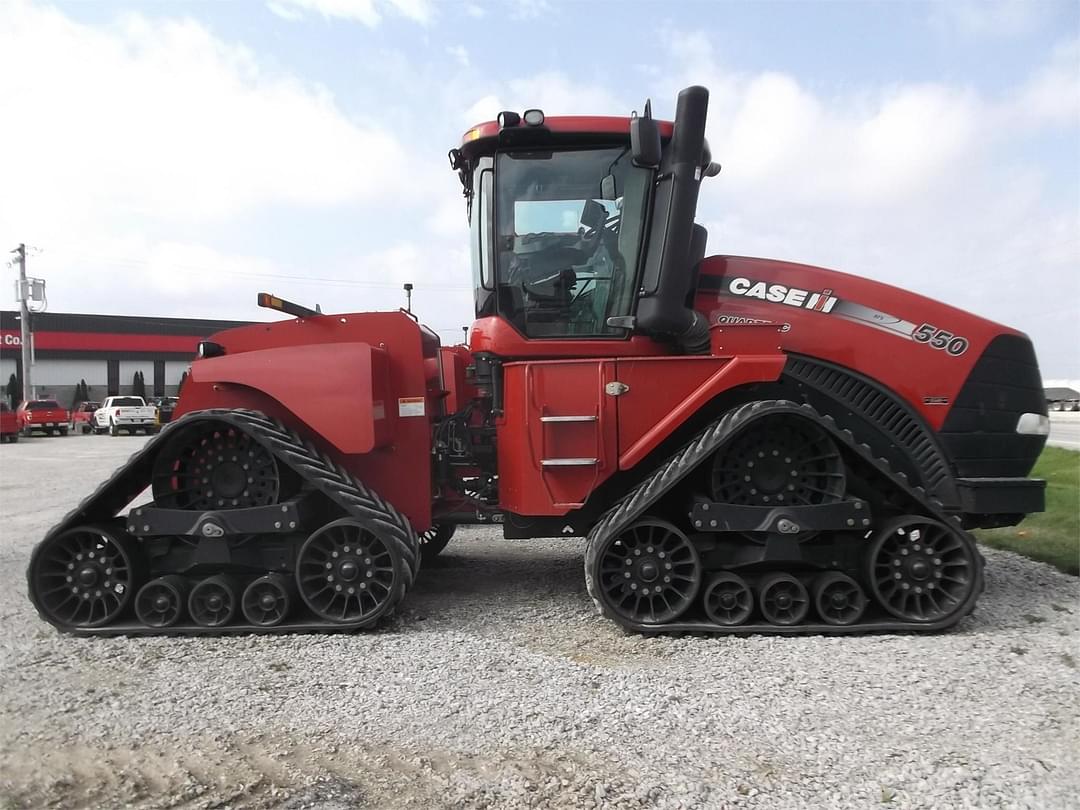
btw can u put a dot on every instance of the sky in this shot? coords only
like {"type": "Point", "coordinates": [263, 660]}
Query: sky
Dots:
{"type": "Point", "coordinates": [174, 159]}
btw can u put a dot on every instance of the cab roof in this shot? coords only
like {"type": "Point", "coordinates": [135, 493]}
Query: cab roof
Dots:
{"type": "Point", "coordinates": [565, 129]}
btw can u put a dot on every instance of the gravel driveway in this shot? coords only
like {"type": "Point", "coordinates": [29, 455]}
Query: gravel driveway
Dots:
{"type": "Point", "coordinates": [497, 686]}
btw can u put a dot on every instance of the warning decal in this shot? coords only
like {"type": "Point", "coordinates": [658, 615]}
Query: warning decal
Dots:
{"type": "Point", "coordinates": [410, 406]}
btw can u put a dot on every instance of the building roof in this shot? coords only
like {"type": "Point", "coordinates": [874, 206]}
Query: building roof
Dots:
{"type": "Point", "coordinates": [117, 324]}
{"type": "Point", "coordinates": [1055, 394]}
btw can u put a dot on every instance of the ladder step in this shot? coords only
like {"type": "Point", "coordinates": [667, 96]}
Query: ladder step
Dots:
{"type": "Point", "coordinates": [569, 462]}
{"type": "Point", "coordinates": [568, 418]}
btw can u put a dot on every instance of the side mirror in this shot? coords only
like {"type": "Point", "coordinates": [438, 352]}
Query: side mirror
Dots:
{"type": "Point", "coordinates": [645, 139]}
{"type": "Point", "coordinates": [607, 188]}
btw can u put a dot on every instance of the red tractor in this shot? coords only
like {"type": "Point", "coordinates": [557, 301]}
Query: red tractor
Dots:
{"type": "Point", "coordinates": [746, 445]}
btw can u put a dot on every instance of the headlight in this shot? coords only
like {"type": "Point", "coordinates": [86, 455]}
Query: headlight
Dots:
{"type": "Point", "coordinates": [1033, 424]}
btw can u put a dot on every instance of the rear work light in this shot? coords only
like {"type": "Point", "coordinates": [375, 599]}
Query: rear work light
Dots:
{"type": "Point", "coordinates": [207, 348]}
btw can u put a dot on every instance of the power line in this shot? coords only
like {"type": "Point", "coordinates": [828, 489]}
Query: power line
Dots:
{"type": "Point", "coordinates": [316, 280]}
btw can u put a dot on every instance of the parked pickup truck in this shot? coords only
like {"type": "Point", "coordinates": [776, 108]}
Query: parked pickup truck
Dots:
{"type": "Point", "coordinates": [9, 426]}
{"type": "Point", "coordinates": [125, 413]}
{"type": "Point", "coordinates": [45, 415]}
{"type": "Point", "coordinates": [82, 417]}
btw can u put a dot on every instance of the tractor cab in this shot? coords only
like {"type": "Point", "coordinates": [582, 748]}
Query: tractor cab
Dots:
{"type": "Point", "coordinates": [582, 227]}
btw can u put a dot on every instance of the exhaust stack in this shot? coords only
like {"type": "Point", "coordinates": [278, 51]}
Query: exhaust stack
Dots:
{"type": "Point", "coordinates": [676, 245]}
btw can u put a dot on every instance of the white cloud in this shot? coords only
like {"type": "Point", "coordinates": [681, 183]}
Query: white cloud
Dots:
{"type": "Point", "coordinates": [483, 109]}
{"type": "Point", "coordinates": [995, 18]}
{"type": "Point", "coordinates": [460, 54]}
{"type": "Point", "coordinates": [530, 9]}
{"type": "Point", "coordinates": [1052, 94]}
{"type": "Point", "coordinates": [286, 12]}
{"type": "Point", "coordinates": [162, 119]}
{"type": "Point", "coordinates": [366, 12]}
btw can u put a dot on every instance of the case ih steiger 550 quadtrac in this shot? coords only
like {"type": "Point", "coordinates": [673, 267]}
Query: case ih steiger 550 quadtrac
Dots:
{"type": "Point", "coordinates": [746, 445]}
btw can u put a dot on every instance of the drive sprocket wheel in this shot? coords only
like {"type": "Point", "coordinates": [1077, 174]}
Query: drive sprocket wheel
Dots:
{"type": "Point", "coordinates": [921, 570]}
{"type": "Point", "coordinates": [347, 573]}
{"type": "Point", "coordinates": [779, 460]}
{"type": "Point", "coordinates": [650, 573]}
{"type": "Point", "coordinates": [728, 599]}
{"type": "Point", "coordinates": [82, 577]}
{"type": "Point", "coordinates": [215, 466]}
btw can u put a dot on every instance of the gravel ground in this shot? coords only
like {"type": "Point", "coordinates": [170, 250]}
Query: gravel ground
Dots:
{"type": "Point", "coordinates": [497, 686]}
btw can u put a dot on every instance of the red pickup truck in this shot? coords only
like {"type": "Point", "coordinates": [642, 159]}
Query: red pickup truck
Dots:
{"type": "Point", "coordinates": [9, 425]}
{"type": "Point", "coordinates": [42, 414]}
{"type": "Point", "coordinates": [82, 417]}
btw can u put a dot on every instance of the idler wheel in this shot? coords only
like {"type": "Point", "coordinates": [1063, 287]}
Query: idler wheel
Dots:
{"type": "Point", "coordinates": [212, 602]}
{"type": "Point", "coordinates": [783, 599]}
{"type": "Point", "coordinates": [160, 602]}
{"type": "Point", "coordinates": [838, 599]}
{"type": "Point", "coordinates": [212, 465]}
{"type": "Point", "coordinates": [82, 577]}
{"type": "Point", "coordinates": [649, 574]}
{"type": "Point", "coordinates": [921, 570]}
{"type": "Point", "coordinates": [728, 599]}
{"type": "Point", "coordinates": [434, 540]}
{"type": "Point", "coordinates": [268, 600]}
{"type": "Point", "coordinates": [347, 573]}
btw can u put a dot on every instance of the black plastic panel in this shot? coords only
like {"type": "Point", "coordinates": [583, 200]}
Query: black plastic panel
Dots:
{"type": "Point", "coordinates": [979, 433]}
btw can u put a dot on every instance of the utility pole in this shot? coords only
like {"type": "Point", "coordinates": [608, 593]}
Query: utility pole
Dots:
{"type": "Point", "coordinates": [24, 322]}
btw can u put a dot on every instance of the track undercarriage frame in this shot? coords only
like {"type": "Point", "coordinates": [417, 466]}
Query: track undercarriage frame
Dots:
{"type": "Point", "coordinates": [254, 530]}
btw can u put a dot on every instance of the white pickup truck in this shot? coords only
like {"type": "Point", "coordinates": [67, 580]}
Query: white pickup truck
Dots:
{"type": "Point", "coordinates": [125, 413]}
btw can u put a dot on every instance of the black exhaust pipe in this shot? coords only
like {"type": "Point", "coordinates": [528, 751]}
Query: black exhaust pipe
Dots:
{"type": "Point", "coordinates": [675, 247]}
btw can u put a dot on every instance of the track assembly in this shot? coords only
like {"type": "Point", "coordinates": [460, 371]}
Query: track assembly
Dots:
{"type": "Point", "coordinates": [209, 573]}
{"type": "Point", "coordinates": [915, 572]}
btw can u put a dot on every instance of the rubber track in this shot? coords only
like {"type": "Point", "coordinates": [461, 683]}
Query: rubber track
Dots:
{"type": "Point", "coordinates": [697, 451]}
{"type": "Point", "coordinates": [315, 468]}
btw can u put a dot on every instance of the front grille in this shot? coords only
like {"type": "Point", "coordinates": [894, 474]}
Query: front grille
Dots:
{"type": "Point", "coordinates": [980, 431]}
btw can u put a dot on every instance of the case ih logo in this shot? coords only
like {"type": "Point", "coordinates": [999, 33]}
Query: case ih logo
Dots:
{"type": "Point", "coordinates": [822, 301]}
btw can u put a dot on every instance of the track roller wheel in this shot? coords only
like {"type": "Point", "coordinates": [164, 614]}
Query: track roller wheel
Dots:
{"type": "Point", "coordinates": [648, 574]}
{"type": "Point", "coordinates": [160, 602]}
{"type": "Point", "coordinates": [82, 577]}
{"type": "Point", "coordinates": [212, 602]}
{"type": "Point", "coordinates": [434, 540]}
{"type": "Point", "coordinates": [838, 599]}
{"type": "Point", "coordinates": [268, 600]}
{"type": "Point", "coordinates": [347, 573]}
{"type": "Point", "coordinates": [783, 599]}
{"type": "Point", "coordinates": [921, 570]}
{"type": "Point", "coordinates": [728, 599]}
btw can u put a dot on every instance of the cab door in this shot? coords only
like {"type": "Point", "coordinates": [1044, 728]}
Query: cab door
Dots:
{"type": "Point", "coordinates": [558, 435]}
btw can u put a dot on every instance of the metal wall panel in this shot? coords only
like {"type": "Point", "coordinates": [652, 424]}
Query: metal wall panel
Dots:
{"type": "Point", "coordinates": [61, 371]}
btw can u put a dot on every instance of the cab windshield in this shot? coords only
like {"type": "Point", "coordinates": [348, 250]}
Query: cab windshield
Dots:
{"type": "Point", "coordinates": [568, 231]}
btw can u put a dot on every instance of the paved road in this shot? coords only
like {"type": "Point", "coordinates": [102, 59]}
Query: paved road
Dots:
{"type": "Point", "coordinates": [1065, 430]}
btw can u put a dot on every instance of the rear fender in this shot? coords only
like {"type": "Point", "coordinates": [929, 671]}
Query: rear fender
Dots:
{"type": "Point", "coordinates": [338, 390]}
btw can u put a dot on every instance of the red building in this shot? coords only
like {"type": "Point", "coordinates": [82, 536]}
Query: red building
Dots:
{"type": "Point", "coordinates": [105, 351]}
